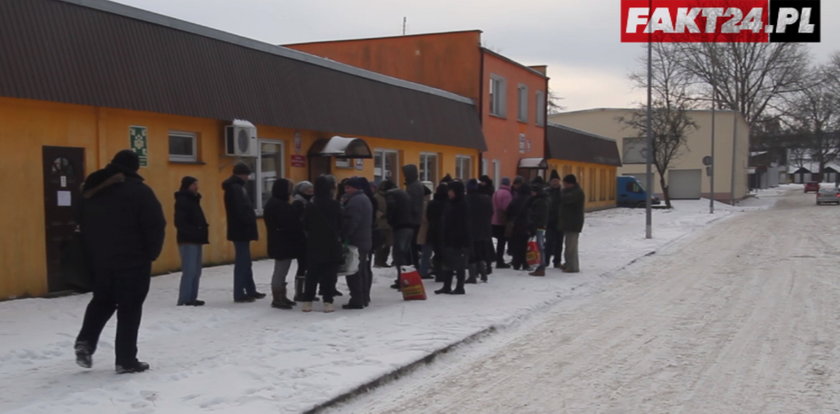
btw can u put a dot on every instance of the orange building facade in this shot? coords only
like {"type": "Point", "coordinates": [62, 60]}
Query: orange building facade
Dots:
{"type": "Point", "coordinates": [511, 97]}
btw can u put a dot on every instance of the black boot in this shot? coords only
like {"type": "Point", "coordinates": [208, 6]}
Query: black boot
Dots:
{"type": "Point", "coordinates": [84, 354]}
{"type": "Point", "coordinates": [447, 286]}
{"type": "Point", "coordinates": [132, 368]}
{"type": "Point", "coordinates": [280, 301]}
{"type": "Point", "coordinates": [459, 289]}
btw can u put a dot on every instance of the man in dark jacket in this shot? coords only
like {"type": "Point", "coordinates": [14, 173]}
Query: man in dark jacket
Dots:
{"type": "Point", "coordinates": [434, 234]}
{"type": "Point", "coordinates": [537, 222]}
{"type": "Point", "coordinates": [384, 236]}
{"type": "Point", "coordinates": [241, 230]}
{"type": "Point", "coordinates": [553, 236]}
{"type": "Point", "coordinates": [570, 221]}
{"type": "Point", "coordinates": [480, 216]}
{"type": "Point", "coordinates": [356, 230]}
{"type": "Point", "coordinates": [192, 234]}
{"type": "Point", "coordinates": [401, 221]}
{"type": "Point", "coordinates": [286, 239]}
{"type": "Point", "coordinates": [457, 240]}
{"type": "Point", "coordinates": [416, 193]}
{"type": "Point", "coordinates": [122, 227]}
{"type": "Point", "coordinates": [517, 216]}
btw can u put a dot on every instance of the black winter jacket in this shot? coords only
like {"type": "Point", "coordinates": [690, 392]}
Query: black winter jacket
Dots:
{"type": "Point", "coordinates": [554, 197]}
{"type": "Point", "coordinates": [416, 193]}
{"type": "Point", "coordinates": [456, 223]}
{"type": "Point", "coordinates": [399, 209]}
{"type": "Point", "coordinates": [190, 222]}
{"type": "Point", "coordinates": [537, 213]}
{"type": "Point", "coordinates": [322, 223]}
{"type": "Point", "coordinates": [121, 220]}
{"type": "Point", "coordinates": [518, 212]}
{"type": "Point", "coordinates": [434, 215]}
{"type": "Point", "coordinates": [284, 224]}
{"type": "Point", "coordinates": [480, 216]}
{"type": "Point", "coordinates": [241, 217]}
{"type": "Point", "coordinates": [357, 221]}
{"type": "Point", "coordinates": [571, 211]}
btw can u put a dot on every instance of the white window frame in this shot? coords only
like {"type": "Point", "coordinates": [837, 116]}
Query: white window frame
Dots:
{"type": "Point", "coordinates": [458, 160]}
{"type": "Point", "coordinates": [498, 96]}
{"type": "Point", "coordinates": [522, 108]}
{"type": "Point", "coordinates": [541, 108]}
{"type": "Point", "coordinates": [179, 157]}
{"type": "Point", "coordinates": [258, 173]}
{"type": "Point", "coordinates": [425, 166]}
{"type": "Point", "coordinates": [383, 151]}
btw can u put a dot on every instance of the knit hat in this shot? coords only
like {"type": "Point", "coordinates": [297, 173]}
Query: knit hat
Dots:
{"type": "Point", "coordinates": [302, 186]}
{"type": "Point", "coordinates": [472, 186]}
{"type": "Point", "coordinates": [571, 179]}
{"type": "Point", "coordinates": [355, 182]}
{"type": "Point", "coordinates": [187, 181]}
{"type": "Point", "coordinates": [554, 175]}
{"type": "Point", "coordinates": [538, 181]}
{"type": "Point", "coordinates": [126, 160]}
{"type": "Point", "coordinates": [505, 181]}
{"type": "Point", "coordinates": [241, 169]}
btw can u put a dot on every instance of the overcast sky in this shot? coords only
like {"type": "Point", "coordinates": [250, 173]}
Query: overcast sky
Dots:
{"type": "Point", "coordinates": [577, 39]}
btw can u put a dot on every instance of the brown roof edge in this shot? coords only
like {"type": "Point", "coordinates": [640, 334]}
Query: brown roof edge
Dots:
{"type": "Point", "coordinates": [362, 39]}
{"type": "Point", "coordinates": [509, 60]}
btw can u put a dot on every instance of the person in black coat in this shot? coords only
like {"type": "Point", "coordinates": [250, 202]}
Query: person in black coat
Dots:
{"type": "Point", "coordinates": [518, 213]}
{"type": "Point", "coordinates": [122, 228]}
{"type": "Point", "coordinates": [481, 214]}
{"type": "Point", "coordinates": [457, 240]}
{"type": "Point", "coordinates": [286, 239]}
{"type": "Point", "coordinates": [241, 230]}
{"type": "Point", "coordinates": [434, 234]}
{"type": "Point", "coordinates": [570, 221]}
{"type": "Point", "coordinates": [192, 230]}
{"type": "Point", "coordinates": [357, 226]}
{"type": "Point", "coordinates": [324, 252]}
{"type": "Point", "coordinates": [538, 221]}
{"type": "Point", "coordinates": [402, 224]}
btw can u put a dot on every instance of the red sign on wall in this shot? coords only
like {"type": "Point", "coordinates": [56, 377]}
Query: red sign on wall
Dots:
{"type": "Point", "coordinates": [298, 161]}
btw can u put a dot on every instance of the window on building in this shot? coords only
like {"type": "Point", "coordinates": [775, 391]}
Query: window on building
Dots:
{"type": "Point", "coordinates": [183, 147]}
{"type": "Point", "coordinates": [463, 167]}
{"type": "Point", "coordinates": [429, 167]}
{"type": "Point", "coordinates": [634, 150]}
{"type": "Point", "coordinates": [541, 108]}
{"type": "Point", "coordinates": [497, 96]}
{"type": "Point", "coordinates": [522, 114]}
{"type": "Point", "coordinates": [386, 166]}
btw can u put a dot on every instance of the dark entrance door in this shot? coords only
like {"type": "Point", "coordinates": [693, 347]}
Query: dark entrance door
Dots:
{"type": "Point", "coordinates": [319, 165]}
{"type": "Point", "coordinates": [63, 177]}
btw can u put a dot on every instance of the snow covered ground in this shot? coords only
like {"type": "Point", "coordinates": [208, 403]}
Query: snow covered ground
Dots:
{"type": "Point", "coordinates": [249, 358]}
{"type": "Point", "coordinates": [739, 318]}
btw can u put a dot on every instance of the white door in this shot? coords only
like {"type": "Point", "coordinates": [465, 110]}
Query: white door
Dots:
{"type": "Point", "coordinates": [684, 184]}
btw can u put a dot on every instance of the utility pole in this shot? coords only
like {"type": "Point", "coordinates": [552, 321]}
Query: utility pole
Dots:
{"type": "Point", "coordinates": [734, 158]}
{"type": "Point", "coordinates": [405, 19]}
{"type": "Point", "coordinates": [649, 126]}
{"type": "Point", "coordinates": [712, 166]}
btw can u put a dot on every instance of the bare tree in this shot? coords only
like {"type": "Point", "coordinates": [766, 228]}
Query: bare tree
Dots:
{"type": "Point", "coordinates": [670, 121]}
{"type": "Point", "coordinates": [553, 103]}
{"type": "Point", "coordinates": [812, 116]}
{"type": "Point", "coordinates": [751, 78]}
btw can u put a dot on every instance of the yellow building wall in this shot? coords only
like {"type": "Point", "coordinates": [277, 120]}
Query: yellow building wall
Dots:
{"type": "Point", "coordinates": [596, 180]}
{"type": "Point", "coordinates": [28, 125]}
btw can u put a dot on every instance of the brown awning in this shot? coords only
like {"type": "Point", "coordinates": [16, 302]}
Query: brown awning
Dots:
{"type": "Point", "coordinates": [570, 144]}
{"type": "Point", "coordinates": [533, 163]}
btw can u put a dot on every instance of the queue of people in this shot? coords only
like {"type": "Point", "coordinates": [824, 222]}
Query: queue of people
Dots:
{"type": "Point", "coordinates": [446, 235]}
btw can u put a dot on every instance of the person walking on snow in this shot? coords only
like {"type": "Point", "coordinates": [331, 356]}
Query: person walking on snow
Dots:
{"type": "Point", "coordinates": [537, 221]}
{"type": "Point", "coordinates": [192, 233]}
{"type": "Point", "coordinates": [356, 228]}
{"type": "Point", "coordinates": [122, 228]}
{"type": "Point", "coordinates": [456, 240]}
{"type": "Point", "coordinates": [324, 253]}
{"type": "Point", "coordinates": [554, 237]}
{"type": "Point", "coordinates": [286, 239]}
{"type": "Point", "coordinates": [570, 221]}
{"type": "Point", "coordinates": [241, 230]}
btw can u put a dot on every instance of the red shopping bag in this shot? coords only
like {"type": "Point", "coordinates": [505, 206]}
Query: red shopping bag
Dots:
{"type": "Point", "coordinates": [533, 254]}
{"type": "Point", "coordinates": [411, 285]}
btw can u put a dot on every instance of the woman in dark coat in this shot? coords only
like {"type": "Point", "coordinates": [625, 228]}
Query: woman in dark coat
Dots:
{"type": "Point", "coordinates": [286, 239]}
{"type": "Point", "coordinates": [518, 212]}
{"type": "Point", "coordinates": [434, 234]}
{"type": "Point", "coordinates": [322, 223]}
{"type": "Point", "coordinates": [192, 234]}
{"type": "Point", "coordinates": [481, 213]}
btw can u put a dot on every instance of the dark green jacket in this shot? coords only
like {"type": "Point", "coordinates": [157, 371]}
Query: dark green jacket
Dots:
{"type": "Point", "coordinates": [571, 211]}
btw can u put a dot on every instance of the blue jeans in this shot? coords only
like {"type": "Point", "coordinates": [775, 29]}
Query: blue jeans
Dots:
{"type": "Point", "coordinates": [541, 246]}
{"type": "Point", "coordinates": [190, 272]}
{"type": "Point", "coordinates": [243, 276]}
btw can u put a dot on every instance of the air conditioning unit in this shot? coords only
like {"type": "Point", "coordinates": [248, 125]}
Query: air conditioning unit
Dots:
{"type": "Point", "coordinates": [241, 139]}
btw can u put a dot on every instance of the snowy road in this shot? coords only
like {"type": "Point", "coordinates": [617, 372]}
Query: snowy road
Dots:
{"type": "Point", "coordinates": [741, 318]}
